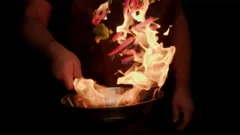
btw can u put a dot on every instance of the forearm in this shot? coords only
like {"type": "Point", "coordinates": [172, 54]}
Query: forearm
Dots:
{"type": "Point", "coordinates": [182, 57]}
{"type": "Point", "coordinates": [39, 37]}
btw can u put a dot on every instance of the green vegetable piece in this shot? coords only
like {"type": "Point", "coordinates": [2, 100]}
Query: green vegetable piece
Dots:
{"type": "Point", "coordinates": [101, 31]}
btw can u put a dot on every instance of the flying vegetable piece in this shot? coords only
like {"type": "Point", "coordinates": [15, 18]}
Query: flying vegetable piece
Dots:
{"type": "Point", "coordinates": [101, 13]}
{"type": "Point", "coordinates": [101, 32]}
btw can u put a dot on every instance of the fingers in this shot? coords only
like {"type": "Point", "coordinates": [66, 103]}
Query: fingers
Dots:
{"type": "Point", "coordinates": [187, 117]}
{"type": "Point", "coordinates": [68, 73]}
{"type": "Point", "coordinates": [68, 80]}
{"type": "Point", "coordinates": [175, 113]}
{"type": "Point", "coordinates": [77, 72]}
{"type": "Point", "coordinates": [69, 76]}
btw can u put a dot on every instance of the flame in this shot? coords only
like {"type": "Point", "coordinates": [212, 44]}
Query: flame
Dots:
{"type": "Point", "coordinates": [151, 61]}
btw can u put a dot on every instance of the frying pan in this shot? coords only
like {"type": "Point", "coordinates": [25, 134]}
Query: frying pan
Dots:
{"type": "Point", "coordinates": [114, 113]}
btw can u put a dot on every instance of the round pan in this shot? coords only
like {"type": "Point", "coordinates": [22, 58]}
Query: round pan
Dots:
{"type": "Point", "coordinates": [109, 114]}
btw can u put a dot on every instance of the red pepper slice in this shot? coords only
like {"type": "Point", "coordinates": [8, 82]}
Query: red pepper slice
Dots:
{"type": "Point", "coordinates": [127, 59]}
{"type": "Point", "coordinates": [148, 21]}
{"type": "Point", "coordinates": [115, 37]}
{"type": "Point", "coordinates": [122, 46]}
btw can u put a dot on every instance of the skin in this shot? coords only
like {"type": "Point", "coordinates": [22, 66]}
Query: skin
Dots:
{"type": "Point", "coordinates": [66, 66]}
{"type": "Point", "coordinates": [182, 100]}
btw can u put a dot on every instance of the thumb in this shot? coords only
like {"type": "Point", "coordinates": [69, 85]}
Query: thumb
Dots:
{"type": "Point", "coordinates": [175, 113]}
{"type": "Point", "coordinates": [77, 72]}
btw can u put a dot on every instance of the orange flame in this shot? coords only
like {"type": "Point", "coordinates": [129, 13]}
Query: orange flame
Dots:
{"type": "Point", "coordinates": [151, 62]}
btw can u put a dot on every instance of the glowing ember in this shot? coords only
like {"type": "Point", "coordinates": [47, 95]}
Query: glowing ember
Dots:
{"type": "Point", "coordinates": [151, 61]}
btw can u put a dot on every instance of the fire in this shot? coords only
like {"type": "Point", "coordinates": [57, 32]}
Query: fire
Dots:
{"type": "Point", "coordinates": [151, 61]}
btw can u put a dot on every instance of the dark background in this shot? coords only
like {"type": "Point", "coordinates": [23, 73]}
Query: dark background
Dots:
{"type": "Point", "coordinates": [215, 41]}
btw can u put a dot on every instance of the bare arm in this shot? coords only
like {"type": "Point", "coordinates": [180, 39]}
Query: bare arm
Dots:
{"type": "Point", "coordinates": [183, 50]}
{"type": "Point", "coordinates": [35, 29]}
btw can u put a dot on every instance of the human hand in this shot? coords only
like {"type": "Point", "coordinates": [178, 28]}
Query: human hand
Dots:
{"type": "Point", "coordinates": [182, 104]}
{"type": "Point", "coordinates": [66, 66]}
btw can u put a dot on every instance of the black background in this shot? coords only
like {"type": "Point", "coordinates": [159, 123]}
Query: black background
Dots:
{"type": "Point", "coordinates": [215, 86]}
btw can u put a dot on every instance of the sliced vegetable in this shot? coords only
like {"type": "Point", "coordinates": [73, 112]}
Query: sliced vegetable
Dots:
{"type": "Point", "coordinates": [122, 46]}
{"type": "Point", "coordinates": [144, 23]}
{"type": "Point", "coordinates": [127, 59]}
{"type": "Point", "coordinates": [115, 37]}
